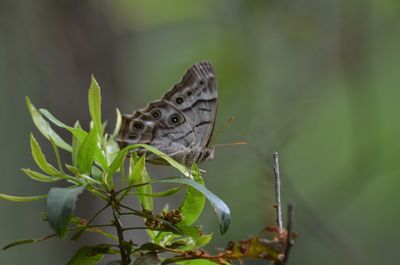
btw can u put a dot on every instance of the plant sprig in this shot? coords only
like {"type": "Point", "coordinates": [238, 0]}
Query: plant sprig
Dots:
{"type": "Point", "coordinates": [96, 161]}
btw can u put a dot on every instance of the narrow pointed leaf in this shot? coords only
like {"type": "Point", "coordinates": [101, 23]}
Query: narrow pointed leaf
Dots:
{"type": "Point", "coordinates": [57, 154]}
{"type": "Point", "coordinates": [194, 201]}
{"type": "Point", "coordinates": [164, 156]}
{"type": "Point", "coordinates": [76, 131]}
{"type": "Point", "coordinates": [221, 209]}
{"type": "Point", "coordinates": [95, 105]}
{"type": "Point", "coordinates": [165, 193]}
{"type": "Point", "coordinates": [44, 127]}
{"type": "Point", "coordinates": [112, 148]}
{"type": "Point", "coordinates": [72, 169]}
{"type": "Point", "coordinates": [138, 174]}
{"type": "Point", "coordinates": [202, 240]}
{"type": "Point", "coordinates": [53, 119]}
{"type": "Point", "coordinates": [61, 206]}
{"type": "Point", "coordinates": [40, 159]}
{"type": "Point", "coordinates": [135, 170]}
{"type": "Point", "coordinates": [27, 241]}
{"type": "Point", "coordinates": [87, 151]}
{"type": "Point", "coordinates": [21, 199]}
{"type": "Point", "coordinates": [76, 143]}
{"type": "Point", "coordinates": [117, 123]}
{"type": "Point", "coordinates": [39, 177]}
{"type": "Point", "coordinates": [116, 164]}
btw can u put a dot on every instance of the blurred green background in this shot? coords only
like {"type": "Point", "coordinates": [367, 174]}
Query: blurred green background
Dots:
{"type": "Point", "coordinates": [317, 81]}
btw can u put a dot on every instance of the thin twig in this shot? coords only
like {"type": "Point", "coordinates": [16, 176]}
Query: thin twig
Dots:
{"type": "Point", "coordinates": [275, 158]}
{"type": "Point", "coordinates": [289, 226]}
{"type": "Point", "coordinates": [87, 225]}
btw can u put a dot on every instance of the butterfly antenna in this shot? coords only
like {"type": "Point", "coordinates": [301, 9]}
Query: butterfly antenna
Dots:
{"type": "Point", "coordinates": [220, 130]}
{"type": "Point", "coordinates": [230, 144]}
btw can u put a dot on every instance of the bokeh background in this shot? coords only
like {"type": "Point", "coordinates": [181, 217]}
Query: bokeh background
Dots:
{"type": "Point", "coordinates": [317, 81]}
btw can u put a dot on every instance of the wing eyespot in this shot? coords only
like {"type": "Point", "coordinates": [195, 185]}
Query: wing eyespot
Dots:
{"type": "Point", "coordinates": [189, 93]}
{"type": "Point", "coordinates": [179, 100]}
{"type": "Point", "coordinates": [174, 119]}
{"type": "Point", "coordinates": [138, 126]}
{"type": "Point", "coordinates": [156, 114]}
{"type": "Point", "coordinates": [201, 83]}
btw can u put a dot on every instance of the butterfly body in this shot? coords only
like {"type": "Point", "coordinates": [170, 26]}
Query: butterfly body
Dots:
{"type": "Point", "coordinates": [181, 123]}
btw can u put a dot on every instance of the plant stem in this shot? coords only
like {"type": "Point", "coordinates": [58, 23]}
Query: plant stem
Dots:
{"type": "Point", "coordinates": [123, 248]}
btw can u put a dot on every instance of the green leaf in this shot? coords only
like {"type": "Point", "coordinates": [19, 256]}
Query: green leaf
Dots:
{"type": "Point", "coordinates": [138, 174]}
{"type": "Point", "coordinates": [165, 193]}
{"type": "Point", "coordinates": [148, 259]}
{"type": "Point", "coordinates": [112, 148]}
{"type": "Point", "coordinates": [164, 156]}
{"type": "Point", "coordinates": [53, 119]}
{"type": "Point", "coordinates": [194, 201]}
{"type": "Point", "coordinates": [40, 159]}
{"type": "Point", "coordinates": [97, 173]}
{"type": "Point", "coordinates": [57, 154]}
{"type": "Point", "coordinates": [76, 143]}
{"type": "Point", "coordinates": [27, 241]}
{"type": "Point", "coordinates": [61, 206]}
{"type": "Point", "coordinates": [79, 136]}
{"type": "Point", "coordinates": [136, 167]}
{"type": "Point", "coordinates": [21, 199]}
{"type": "Point", "coordinates": [95, 105]}
{"type": "Point", "coordinates": [192, 231]}
{"type": "Point", "coordinates": [115, 165]}
{"type": "Point", "coordinates": [89, 255]}
{"type": "Point", "coordinates": [76, 131]}
{"type": "Point", "coordinates": [102, 232]}
{"type": "Point", "coordinates": [87, 151]}
{"type": "Point", "coordinates": [19, 242]}
{"type": "Point", "coordinates": [117, 124]}
{"type": "Point", "coordinates": [44, 127]}
{"type": "Point", "coordinates": [39, 177]}
{"type": "Point", "coordinates": [194, 242]}
{"type": "Point", "coordinates": [72, 169]}
{"type": "Point", "coordinates": [202, 240]}
{"type": "Point", "coordinates": [221, 209]}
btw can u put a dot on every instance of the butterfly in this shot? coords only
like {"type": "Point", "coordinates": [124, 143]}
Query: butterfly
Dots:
{"type": "Point", "coordinates": [181, 123]}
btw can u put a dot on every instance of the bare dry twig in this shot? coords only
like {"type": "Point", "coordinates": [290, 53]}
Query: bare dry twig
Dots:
{"type": "Point", "coordinates": [278, 207]}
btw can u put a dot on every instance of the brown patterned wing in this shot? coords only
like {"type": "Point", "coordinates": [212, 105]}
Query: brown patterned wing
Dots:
{"type": "Point", "coordinates": [196, 96]}
{"type": "Point", "coordinates": [160, 125]}
{"type": "Point", "coordinates": [181, 123]}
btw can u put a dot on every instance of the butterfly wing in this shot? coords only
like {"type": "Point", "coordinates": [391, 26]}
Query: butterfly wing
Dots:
{"type": "Point", "coordinates": [196, 96]}
{"type": "Point", "coordinates": [181, 123]}
{"type": "Point", "coordinates": [160, 125]}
